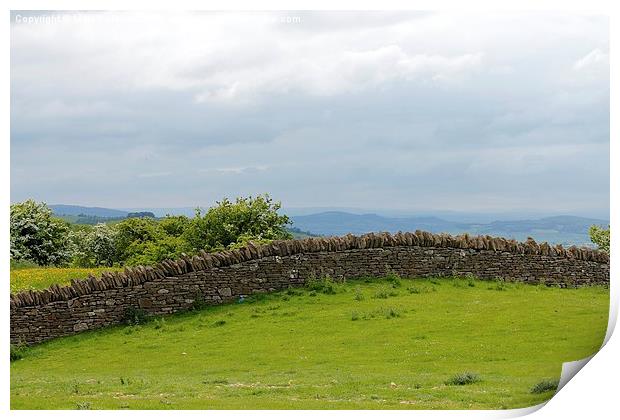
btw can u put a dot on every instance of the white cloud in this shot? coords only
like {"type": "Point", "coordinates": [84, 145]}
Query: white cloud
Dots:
{"type": "Point", "coordinates": [220, 57]}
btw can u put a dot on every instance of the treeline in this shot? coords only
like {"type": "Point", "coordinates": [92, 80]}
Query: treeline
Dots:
{"type": "Point", "coordinates": [87, 219]}
{"type": "Point", "coordinates": [38, 237]}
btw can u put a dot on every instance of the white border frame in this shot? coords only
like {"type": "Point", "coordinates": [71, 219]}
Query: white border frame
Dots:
{"type": "Point", "coordinates": [592, 393]}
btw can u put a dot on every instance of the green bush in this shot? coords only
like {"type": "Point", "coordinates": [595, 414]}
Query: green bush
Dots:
{"type": "Point", "coordinates": [174, 225]}
{"type": "Point", "coordinates": [256, 297]}
{"type": "Point", "coordinates": [416, 290]}
{"type": "Point", "coordinates": [391, 313]}
{"type": "Point", "coordinates": [393, 278]}
{"type": "Point", "coordinates": [387, 313]}
{"type": "Point", "coordinates": [133, 236]}
{"type": "Point", "coordinates": [17, 352]}
{"type": "Point", "coordinates": [382, 293]}
{"type": "Point", "coordinates": [40, 238]}
{"type": "Point", "coordinates": [83, 405]}
{"type": "Point", "coordinates": [199, 303]}
{"type": "Point", "coordinates": [231, 224]}
{"type": "Point", "coordinates": [545, 385]}
{"type": "Point", "coordinates": [458, 283]}
{"type": "Point", "coordinates": [151, 252]}
{"type": "Point", "coordinates": [228, 225]}
{"type": "Point", "coordinates": [94, 247]}
{"type": "Point", "coordinates": [37, 236]}
{"type": "Point", "coordinates": [135, 316]}
{"type": "Point", "coordinates": [465, 378]}
{"type": "Point", "coordinates": [323, 285]}
{"type": "Point", "coordinates": [600, 237]}
{"type": "Point", "coordinates": [292, 291]}
{"type": "Point", "coordinates": [500, 285]}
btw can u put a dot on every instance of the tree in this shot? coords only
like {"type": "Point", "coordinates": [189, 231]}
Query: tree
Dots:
{"type": "Point", "coordinates": [174, 225]}
{"type": "Point", "coordinates": [151, 252]}
{"type": "Point", "coordinates": [37, 236]}
{"type": "Point", "coordinates": [231, 224]}
{"type": "Point", "coordinates": [132, 235]}
{"type": "Point", "coordinates": [600, 237]}
{"type": "Point", "coordinates": [146, 241]}
{"type": "Point", "coordinates": [140, 214]}
{"type": "Point", "coordinates": [94, 247]}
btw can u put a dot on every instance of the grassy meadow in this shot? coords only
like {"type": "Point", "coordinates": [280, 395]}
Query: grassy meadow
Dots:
{"type": "Point", "coordinates": [38, 278]}
{"type": "Point", "coordinates": [366, 344]}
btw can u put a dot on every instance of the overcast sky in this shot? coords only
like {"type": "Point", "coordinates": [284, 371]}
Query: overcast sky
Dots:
{"type": "Point", "coordinates": [470, 112]}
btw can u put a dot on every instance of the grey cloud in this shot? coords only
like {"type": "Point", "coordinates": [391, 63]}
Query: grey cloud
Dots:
{"type": "Point", "coordinates": [344, 109]}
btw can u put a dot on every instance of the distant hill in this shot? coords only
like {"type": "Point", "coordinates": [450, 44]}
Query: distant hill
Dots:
{"type": "Point", "coordinates": [562, 224]}
{"type": "Point", "coordinates": [566, 230]}
{"type": "Point", "coordinates": [70, 210]}
{"type": "Point", "coordinates": [340, 223]}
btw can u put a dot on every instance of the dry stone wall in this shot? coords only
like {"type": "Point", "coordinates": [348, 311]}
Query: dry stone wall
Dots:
{"type": "Point", "coordinates": [173, 286]}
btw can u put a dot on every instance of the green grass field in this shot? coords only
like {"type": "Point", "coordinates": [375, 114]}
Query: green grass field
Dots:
{"type": "Point", "coordinates": [37, 278]}
{"type": "Point", "coordinates": [372, 344]}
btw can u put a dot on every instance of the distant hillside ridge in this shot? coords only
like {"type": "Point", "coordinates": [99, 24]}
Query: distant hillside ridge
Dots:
{"type": "Point", "coordinates": [566, 230]}
{"type": "Point", "coordinates": [72, 210]}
